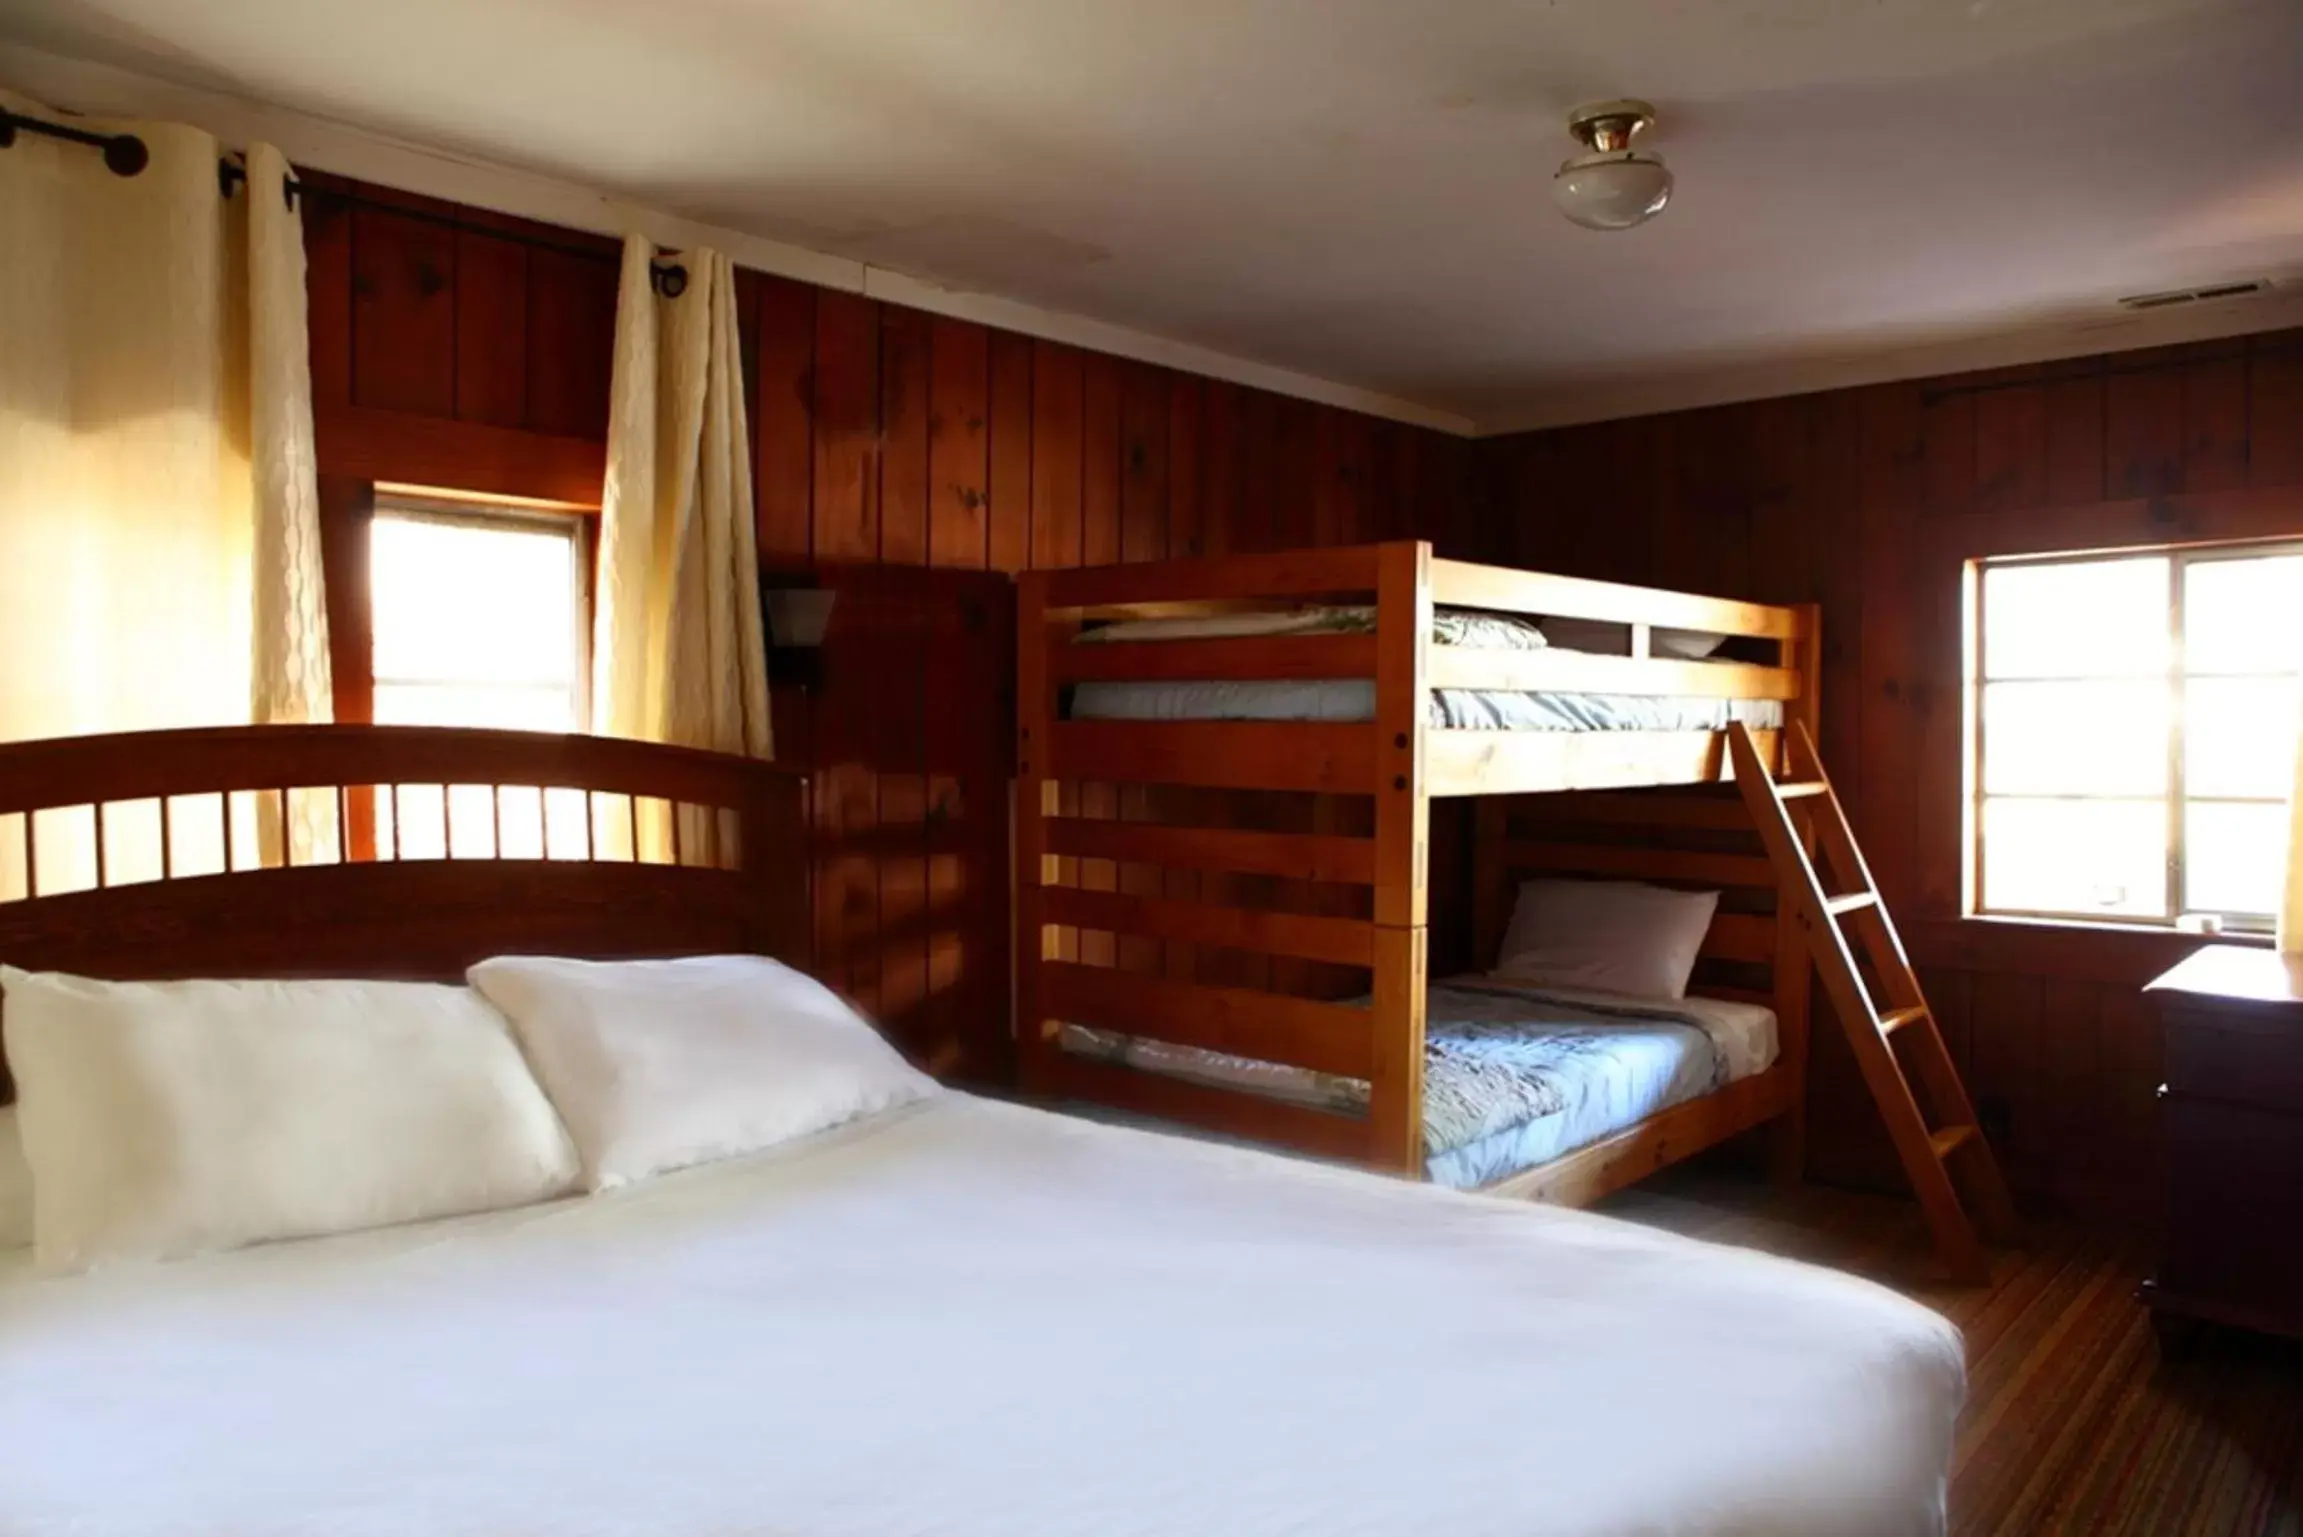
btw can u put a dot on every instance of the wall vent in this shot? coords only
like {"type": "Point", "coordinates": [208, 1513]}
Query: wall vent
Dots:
{"type": "Point", "coordinates": [2174, 297]}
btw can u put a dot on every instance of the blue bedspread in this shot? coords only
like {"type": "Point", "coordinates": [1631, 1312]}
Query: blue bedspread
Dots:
{"type": "Point", "coordinates": [1496, 1057]}
{"type": "Point", "coordinates": [1512, 1076]}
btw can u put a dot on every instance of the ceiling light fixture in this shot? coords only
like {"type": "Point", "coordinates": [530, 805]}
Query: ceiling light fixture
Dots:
{"type": "Point", "coordinates": [1613, 186]}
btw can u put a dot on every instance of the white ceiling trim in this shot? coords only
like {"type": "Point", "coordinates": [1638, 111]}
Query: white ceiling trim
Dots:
{"type": "Point", "coordinates": [104, 90]}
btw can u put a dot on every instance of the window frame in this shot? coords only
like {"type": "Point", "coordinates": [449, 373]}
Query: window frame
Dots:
{"type": "Point", "coordinates": [2180, 559]}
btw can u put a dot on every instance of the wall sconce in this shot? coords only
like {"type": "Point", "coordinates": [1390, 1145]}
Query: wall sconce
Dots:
{"type": "Point", "coordinates": [798, 618]}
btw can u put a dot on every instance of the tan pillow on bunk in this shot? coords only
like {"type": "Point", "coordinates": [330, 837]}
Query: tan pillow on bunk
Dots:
{"type": "Point", "coordinates": [1615, 639]}
{"type": "Point", "coordinates": [1316, 620]}
{"type": "Point", "coordinates": [1607, 936]}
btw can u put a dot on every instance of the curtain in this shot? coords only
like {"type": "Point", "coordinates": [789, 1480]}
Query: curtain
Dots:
{"type": "Point", "coordinates": [292, 682]}
{"type": "Point", "coordinates": [2291, 898]}
{"type": "Point", "coordinates": [159, 536]}
{"type": "Point", "coordinates": [678, 654]}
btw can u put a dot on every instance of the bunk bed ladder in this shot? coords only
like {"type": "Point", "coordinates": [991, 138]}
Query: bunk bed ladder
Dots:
{"type": "Point", "coordinates": [1894, 1033]}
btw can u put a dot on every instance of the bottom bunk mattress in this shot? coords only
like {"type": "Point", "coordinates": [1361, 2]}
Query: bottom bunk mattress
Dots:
{"type": "Point", "coordinates": [1457, 709]}
{"type": "Point", "coordinates": [1513, 1076]}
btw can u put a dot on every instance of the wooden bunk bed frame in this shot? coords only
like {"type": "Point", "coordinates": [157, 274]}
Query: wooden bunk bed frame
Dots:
{"type": "Point", "coordinates": [1400, 762]}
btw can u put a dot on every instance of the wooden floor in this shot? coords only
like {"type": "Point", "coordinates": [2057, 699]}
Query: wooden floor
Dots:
{"type": "Point", "coordinates": [2074, 1422]}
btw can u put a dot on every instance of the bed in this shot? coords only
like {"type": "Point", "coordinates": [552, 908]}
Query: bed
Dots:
{"type": "Point", "coordinates": [1240, 755]}
{"type": "Point", "coordinates": [981, 1318]}
{"type": "Point", "coordinates": [960, 1317]}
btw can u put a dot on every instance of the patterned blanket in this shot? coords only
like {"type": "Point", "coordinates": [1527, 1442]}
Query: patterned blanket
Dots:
{"type": "Point", "coordinates": [1496, 1057]}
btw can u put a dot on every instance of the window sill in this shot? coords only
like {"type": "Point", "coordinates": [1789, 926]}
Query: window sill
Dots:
{"type": "Point", "coordinates": [2112, 954]}
{"type": "Point", "coordinates": [2021, 924]}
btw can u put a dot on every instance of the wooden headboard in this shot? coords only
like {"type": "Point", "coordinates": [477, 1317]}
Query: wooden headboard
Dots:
{"type": "Point", "coordinates": [421, 850]}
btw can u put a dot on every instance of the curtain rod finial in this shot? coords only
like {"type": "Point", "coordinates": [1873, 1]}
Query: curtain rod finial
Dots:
{"type": "Point", "coordinates": [126, 155]}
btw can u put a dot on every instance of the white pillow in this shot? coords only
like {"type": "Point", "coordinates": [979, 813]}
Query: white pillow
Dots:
{"type": "Point", "coordinates": [1615, 639]}
{"type": "Point", "coordinates": [163, 1119]}
{"type": "Point", "coordinates": [657, 1065]}
{"type": "Point", "coordinates": [1610, 936]}
{"type": "Point", "coordinates": [15, 1184]}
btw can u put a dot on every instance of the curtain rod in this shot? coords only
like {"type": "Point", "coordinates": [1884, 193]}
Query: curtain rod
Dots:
{"type": "Point", "coordinates": [126, 155]}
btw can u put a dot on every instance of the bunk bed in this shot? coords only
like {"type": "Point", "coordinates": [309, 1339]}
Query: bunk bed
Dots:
{"type": "Point", "coordinates": [1166, 709]}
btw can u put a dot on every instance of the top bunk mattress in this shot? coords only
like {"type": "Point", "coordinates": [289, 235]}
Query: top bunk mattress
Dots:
{"type": "Point", "coordinates": [1353, 699]}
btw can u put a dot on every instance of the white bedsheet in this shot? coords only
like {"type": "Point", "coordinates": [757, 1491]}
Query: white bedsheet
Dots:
{"type": "Point", "coordinates": [972, 1318]}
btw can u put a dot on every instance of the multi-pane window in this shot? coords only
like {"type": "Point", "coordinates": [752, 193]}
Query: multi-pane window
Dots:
{"type": "Point", "coordinates": [2134, 733]}
{"type": "Point", "coordinates": [478, 617]}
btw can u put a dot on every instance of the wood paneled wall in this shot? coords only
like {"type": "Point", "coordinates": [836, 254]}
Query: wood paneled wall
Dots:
{"type": "Point", "coordinates": [909, 460]}
{"type": "Point", "coordinates": [1870, 501]}
{"type": "Point", "coordinates": [913, 461]}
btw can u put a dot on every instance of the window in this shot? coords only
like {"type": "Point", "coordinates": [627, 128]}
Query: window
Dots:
{"type": "Point", "coordinates": [2134, 734]}
{"type": "Point", "coordinates": [477, 615]}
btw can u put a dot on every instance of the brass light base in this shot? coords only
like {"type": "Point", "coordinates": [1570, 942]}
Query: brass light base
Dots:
{"type": "Point", "coordinates": [1608, 127]}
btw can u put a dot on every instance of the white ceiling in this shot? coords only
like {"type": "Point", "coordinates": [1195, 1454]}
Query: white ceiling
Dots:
{"type": "Point", "coordinates": [1356, 189]}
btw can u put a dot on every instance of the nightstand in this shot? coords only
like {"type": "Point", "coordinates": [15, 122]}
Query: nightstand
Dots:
{"type": "Point", "coordinates": [2232, 1113]}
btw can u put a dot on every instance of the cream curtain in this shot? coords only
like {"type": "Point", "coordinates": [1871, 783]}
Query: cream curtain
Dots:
{"type": "Point", "coordinates": [159, 539]}
{"type": "Point", "coordinates": [678, 654]}
{"type": "Point", "coordinates": [2291, 899]}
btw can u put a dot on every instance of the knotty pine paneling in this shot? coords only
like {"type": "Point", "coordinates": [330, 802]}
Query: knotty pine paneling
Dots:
{"type": "Point", "coordinates": [913, 462]}
{"type": "Point", "coordinates": [783, 421]}
{"type": "Point", "coordinates": [1867, 501]}
{"type": "Point", "coordinates": [454, 347]}
{"type": "Point", "coordinates": [1009, 427]}
{"type": "Point", "coordinates": [571, 340]}
{"type": "Point", "coordinates": [403, 313]}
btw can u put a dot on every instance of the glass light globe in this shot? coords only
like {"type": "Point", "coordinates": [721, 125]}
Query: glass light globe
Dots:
{"type": "Point", "coordinates": [1612, 191]}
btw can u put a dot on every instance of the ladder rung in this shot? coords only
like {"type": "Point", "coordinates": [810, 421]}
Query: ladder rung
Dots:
{"type": "Point", "coordinates": [1895, 1019]}
{"type": "Point", "coordinates": [1950, 1140]}
{"type": "Point", "coordinates": [1854, 901]}
{"type": "Point", "coordinates": [1800, 789]}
